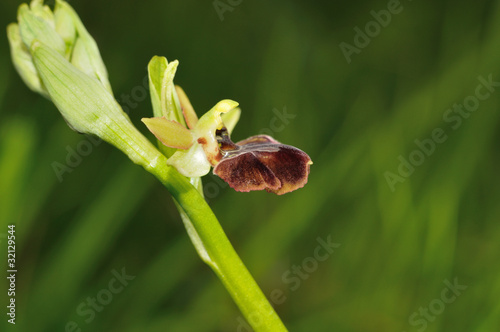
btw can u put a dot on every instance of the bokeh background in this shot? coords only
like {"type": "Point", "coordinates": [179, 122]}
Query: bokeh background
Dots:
{"type": "Point", "coordinates": [399, 249]}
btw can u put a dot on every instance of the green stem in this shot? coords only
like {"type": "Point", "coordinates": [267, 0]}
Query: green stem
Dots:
{"type": "Point", "coordinates": [217, 251]}
{"type": "Point", "coordinates": [90, 108]}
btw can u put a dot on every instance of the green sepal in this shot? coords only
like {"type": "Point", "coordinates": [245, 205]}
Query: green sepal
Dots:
{"type": "Point", "coordinates": [32, 26]}
{"type": "Point", "coordinates": [170, 133]}
{"type": "Point", "coordinates": [23, 61]}
{"type": "Point", "coordinates": [86, 55]}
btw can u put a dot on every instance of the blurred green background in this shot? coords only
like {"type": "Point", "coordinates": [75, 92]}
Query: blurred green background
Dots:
{"type": "Point", "coordinates": [400, 250]}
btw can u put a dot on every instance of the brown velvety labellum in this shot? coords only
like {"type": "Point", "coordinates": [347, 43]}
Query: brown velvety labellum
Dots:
{"type": "Point", "coordinates": [260, 162]}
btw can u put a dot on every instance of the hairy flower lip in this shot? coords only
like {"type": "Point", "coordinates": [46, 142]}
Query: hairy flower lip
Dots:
{"type": "Point", "coordinates": [262, 163]}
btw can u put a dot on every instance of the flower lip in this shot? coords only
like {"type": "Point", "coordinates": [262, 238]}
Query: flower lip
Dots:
{"type": "Point", "coordinates": [260, 162]}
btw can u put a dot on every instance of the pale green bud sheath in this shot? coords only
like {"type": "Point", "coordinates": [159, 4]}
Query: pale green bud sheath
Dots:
{"type": "Point", "coordinates": [22, 60]}
{"type": "Point", "coordinates": [85, 55]}
{"type": "Point", "coordinates": [65, 26]}
{"type": "Point", "coordinates": [33, 25]}
{"type": "Point", "coordinates": [42, 11]}
{"type": "Point", "coordinates": [89, 108]}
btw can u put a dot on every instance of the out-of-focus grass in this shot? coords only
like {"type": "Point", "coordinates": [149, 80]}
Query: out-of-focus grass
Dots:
{"type": "Point", "coordinates": [396, 248]}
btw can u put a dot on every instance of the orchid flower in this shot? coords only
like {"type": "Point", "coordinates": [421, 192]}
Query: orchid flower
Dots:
{"type": "Point", "coordinates": [56, 57]}
{"type": "Point", "coordinates": [256, 163]}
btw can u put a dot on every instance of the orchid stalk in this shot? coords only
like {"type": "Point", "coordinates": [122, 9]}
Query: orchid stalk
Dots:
{"type": "Point", "coordinates": [56, 57]}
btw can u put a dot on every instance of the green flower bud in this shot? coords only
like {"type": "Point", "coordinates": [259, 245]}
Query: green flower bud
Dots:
{"type": "Point", "coordinates": [85, 55]}
{"type": "Point", "coordinates": [23, 62]}
{"type": "Point", "coordinates": [63, 32]}
{"type": "Point", "coordinates": [89, 107]}
{"type": "Point", "coordinates": [42, 11]}
{"type": "Point", "coordinates": [65, 26]}
{"type": "Point", "coordinates": [36, 23]}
